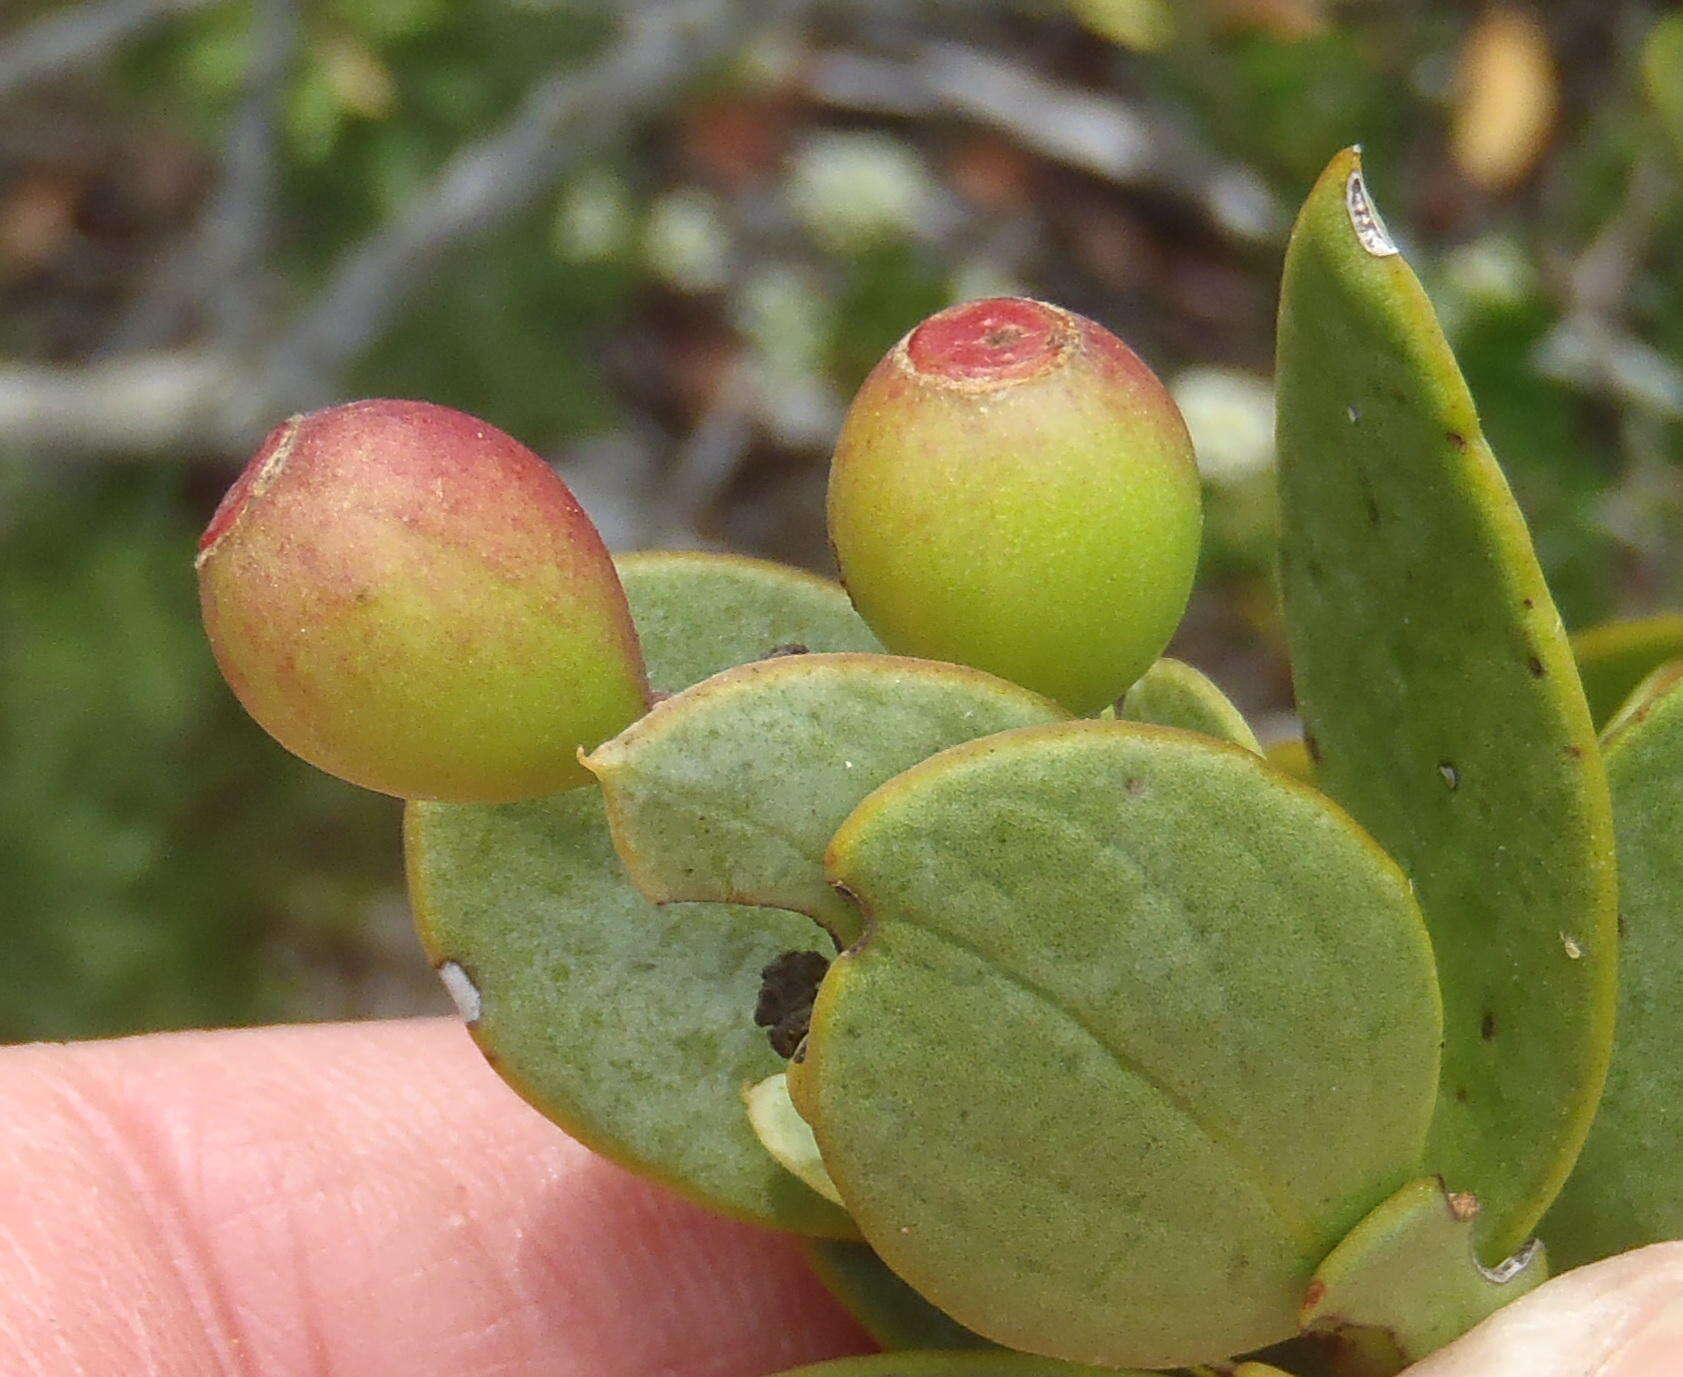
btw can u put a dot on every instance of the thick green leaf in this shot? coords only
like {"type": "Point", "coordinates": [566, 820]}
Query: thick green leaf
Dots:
{"type": "Point", "coordinates": [1441, 700]}
{"type": "Point", "coordinates": [887, 1309]}
{"type": "Point", "coordinates": [1409, 1276]}
{"type": "Point", "coordinates": [629, 1024]}
{"type": "Point", "coordinates": [1174, 694]}
{"type": "Point", "coordinates": [699, 613]}
{"type": "Point", "coordinates": [1615, 658]}
{"type": "Point", "coordinates": [786, 1136]}
{"type": "Point", "coordinates": [1627, 1189]}
{"type": "Point", "coordinates": [730, 791]}
{"type": "Point", "coordinates": [961, 1364]}
{"type": "Point", "coordinates": [1141, 1029]}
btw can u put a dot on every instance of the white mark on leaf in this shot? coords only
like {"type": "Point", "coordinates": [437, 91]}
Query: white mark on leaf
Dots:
{"type": "Point", "coordinates": [1364, 218]}
{"type": "Point", "coordinates": [462, 990]}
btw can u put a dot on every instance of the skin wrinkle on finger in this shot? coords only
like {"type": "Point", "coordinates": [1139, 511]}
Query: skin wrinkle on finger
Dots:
{"type": "Point", "coordinates": [321, 1202]}
{"type": "Point", "coordinates": [93, 1267]}
{"type": "Point", "coordinates": [366, 1201]}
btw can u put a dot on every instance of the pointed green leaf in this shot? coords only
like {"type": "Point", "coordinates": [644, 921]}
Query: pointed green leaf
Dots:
{"type": "Point", "coordinates": [699, 613]}
{"type": "Point", "coordinates": [1613, 659]}
{"type": "Point", "coordinates": [1627, 1189]}
{"type": "Point", "coordinates": [887, 1309]}
{"type": "Point", "coordinates": [1174, 694]}
{"type": "Point", "coordinates": [786, 1136]}
{"type": "Point", "coordinates": [731, 791]}
{"type": "Point", "coordinates": [1439, 691]}
{"type": "Point", "coordinates": [1141, 1029]}
{"type": "Point", "coordinates": [628, 1024]}
{"type": "Point", "coordinates": [990, 1363]}
{"type": "Point", "coordinates": [1409, 1274]}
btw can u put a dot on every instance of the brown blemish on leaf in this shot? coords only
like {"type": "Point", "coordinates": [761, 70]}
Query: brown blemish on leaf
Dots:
{"type": "Point", "coordinates": [1536, 667]}
{"type": "Point", "coordinates": [1575, 752]}
{"type": "Point", "coordinates": [777, 652]}
{"type": "Point", "coordinates": [1312, 746]}
{"type": "Point", "coordinates": [1463, 1206]}
{"type": "Point", "coordinates": [1457, 439]}
{"type": "Point", "coordinates": [788, 985]}
{"type": "Point", "coordinates": [1487, 1027]}
{"type": "Point", "coordinates": [1460, 1094]}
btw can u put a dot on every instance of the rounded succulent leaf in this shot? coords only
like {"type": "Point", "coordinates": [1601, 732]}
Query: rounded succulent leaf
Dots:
{"type": "Point", "coordinates": [413, 601]}
{"type": "Point", "coordinates": [628, 1024]}
{"type": "Point", "coordinates": [699, 613]}
{"type": "Point", "coordinates": [1140, 1029]}
{"type": "Point", "coordinates": [887, 1309]}
{"type": "Point", "coordinates": [731, 790]}
{"type": "Point", "coordinates": [1014, 489]}
{"type": "Point", "coordinates": [1174, 694]}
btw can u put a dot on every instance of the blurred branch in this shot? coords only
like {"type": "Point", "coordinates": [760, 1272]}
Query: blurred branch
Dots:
{"type": "Point", "coordinates": [222, 267]}
{"type": "Point", "coordinates": [1094, 132]}
{"type": "Point", "coordinates": [1592, 347]}
{"type": "Point", "coordinates": [564, 120]}
{"type": "Point", "coordinates": [145, 401]}
{"type": "Point", "coordinates": [142, 405]}
{"type": "Point", "coordinates": [78, 34]}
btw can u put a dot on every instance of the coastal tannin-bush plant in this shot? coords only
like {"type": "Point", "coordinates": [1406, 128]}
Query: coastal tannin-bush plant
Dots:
{"type": "Point", "coordinates": [1070, 1031]}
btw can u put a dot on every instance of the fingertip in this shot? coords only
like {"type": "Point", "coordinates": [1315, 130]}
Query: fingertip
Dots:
{"type": "Point", "coordinates": [372, 1199]}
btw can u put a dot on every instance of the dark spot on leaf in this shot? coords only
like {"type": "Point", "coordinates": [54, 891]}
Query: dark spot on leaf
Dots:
{"type": "Point", "coordinates": [788, 986]}
{"type": "Point", "coordinates": [799, 1054]}
{"type": "Point", "coordinates": [1487, 1029]}
{"type": "Point", "coordinates": [1456, 438]}
{"type": "Point", "coordinates": [1624, 928]}
{"type": "Point", "coordinates": [1575, 752]}
{"type": "Point", "coordinates": [1135, 788]}
{"type": "Point", "coordinates": [1372, 512]}
{"type": "Point", "coordinates": [1529, 604]}
{"type": "Point", "coordinates": [1536, 667]}
{"type": "Point", "coordinates": [1311, 745]}
{"type": "Point", "coordinates": [1461, 1094]}
{"type": "Point", "coordinates": [1312, 1297]}
{"type": "Point", "coordinates": [777, 652]}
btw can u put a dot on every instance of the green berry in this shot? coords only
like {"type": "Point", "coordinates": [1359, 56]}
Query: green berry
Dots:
{"type": "Point", "coordinates": [413, 601]}
{"type": "Point", "coordinates": [1015, 490]}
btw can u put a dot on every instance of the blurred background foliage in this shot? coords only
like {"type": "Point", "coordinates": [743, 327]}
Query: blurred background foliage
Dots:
{"type": "Point", "coordinates": [662, 242]}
